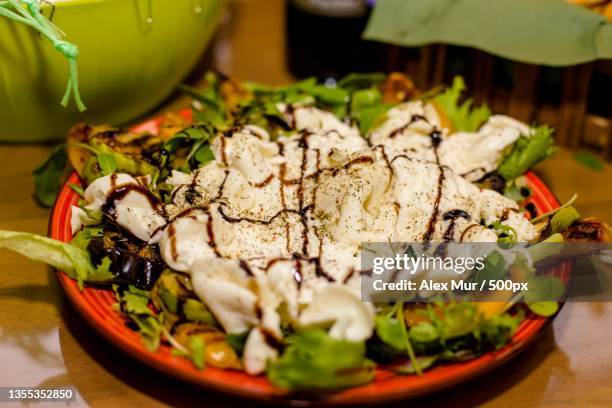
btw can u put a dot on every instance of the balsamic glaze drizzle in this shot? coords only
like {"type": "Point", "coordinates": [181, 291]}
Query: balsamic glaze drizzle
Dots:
{"type": "Point", "coordinates": [451, 216]}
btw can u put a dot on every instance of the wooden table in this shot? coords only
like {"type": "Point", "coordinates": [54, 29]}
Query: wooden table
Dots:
{"type": "Point", "coordinates": [43, 342]}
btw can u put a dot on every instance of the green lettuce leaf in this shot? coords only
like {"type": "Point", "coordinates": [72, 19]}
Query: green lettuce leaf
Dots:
{"type": "Point", "coordinates": [195, 311]}
{"type": "Point", "coordinates": [313, 360]}
{"type": "Point", "coordinates": [463, 116]}
{"type": "Point", "coordinates": [70, 259]}
{"type": "Point", "coordinates": [526, 152]}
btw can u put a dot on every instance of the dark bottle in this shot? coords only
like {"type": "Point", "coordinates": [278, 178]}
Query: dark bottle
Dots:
{"type": "Point", "coordinates": [324, 38]}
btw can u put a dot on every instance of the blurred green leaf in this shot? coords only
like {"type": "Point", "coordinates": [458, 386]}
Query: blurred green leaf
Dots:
{"type": "Point", "coordinates": [589, 160]}
{"type": "Point", "coordinates": [48, 177]}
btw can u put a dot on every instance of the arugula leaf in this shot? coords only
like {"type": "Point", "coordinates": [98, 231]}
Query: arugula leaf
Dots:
{"type": "Point", "coordinates": [313, 360]}
{"type": "Point", "coordinates": [195, 311]}
{"type": "Point", "coordinates": [506, 233]}
{"type": "Point", "coordinates": [107, 163]}
{"type": "Point", "coordinates": [48, 177]}
{"type": "Point", "coordinates": [150, 330]}
{"type": "Point", "coordinates": [356, 80]}
{"type": "Point", "coordinates": [462, 115]}
{"type": "Point", "coordinates": [237, 341]}
{"type": "Point", "coordinates": [497, 330]}
{"type": "Point", "coordinates": [100, 274]}
{"type": "Point", "coordinates": [213, 109]}
{"type": "Point", "coordinates": [81, 239]}
{"type": "Point", "coordinates": [368, 118]}
{"type": "Point", "coordinates": [367, 107]}
{"type": "Point", "coordinates": [526, 152]}
{"type": "Point", "coordinates": [77, 189]}
{"type": "Point", "coordinates": [197, 347]}
{"type": "Point", "coordinates": [134, 303]}
{"type": "Point", "coordinates": [389, 330]}
{"type": "Point", "coordinates": [204, 155]}
{"type": "Point", "coordinates": [365, 98]}
{"type": "Point", "coordinates": [423, 332]}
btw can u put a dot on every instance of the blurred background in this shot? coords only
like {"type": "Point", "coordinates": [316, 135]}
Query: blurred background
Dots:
{"type": "Point", "coordinates": [134, 53]}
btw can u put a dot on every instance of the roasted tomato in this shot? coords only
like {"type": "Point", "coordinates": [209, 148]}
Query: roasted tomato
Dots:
{"type": "Point", "coordinates": [218, 352]}
{"type": "Point", "coordinates": [398, 88]}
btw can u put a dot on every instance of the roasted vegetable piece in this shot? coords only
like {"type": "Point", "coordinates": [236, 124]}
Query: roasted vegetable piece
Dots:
{"type": "Point", "coordinates": [563, 219]}
{"type": "Point", "coordinates": [171, 295]}
{"type": "Point", "coordinates": [132, 261]}
{"type": "Point", "coordinates": [217, 352]}
{"type": "Point", "coordinates": [170, 125]}
{"type": "Point", "coordinates": [168, 292]}
{"type": "Point", "coordinates": [86, 145]}
{"type": "Point", "coordinates": [232, 92]}
{"type": "Point", "coordinates": [78, 156]}
{"type": "Point", "coordinates": [588, 230]}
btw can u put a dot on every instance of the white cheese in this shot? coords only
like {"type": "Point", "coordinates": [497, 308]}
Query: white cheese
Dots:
{"type": "Point", "coordinates": [275, 229]}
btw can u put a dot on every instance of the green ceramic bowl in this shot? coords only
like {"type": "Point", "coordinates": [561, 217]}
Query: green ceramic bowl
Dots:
{"type": "Point", "coordinates": [133, 53]}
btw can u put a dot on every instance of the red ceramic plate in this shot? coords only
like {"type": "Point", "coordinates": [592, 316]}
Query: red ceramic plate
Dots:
{"type": "Point", "coordinates": [96, 307]}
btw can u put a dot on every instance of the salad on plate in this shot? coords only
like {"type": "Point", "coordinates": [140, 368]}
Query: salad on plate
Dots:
{"type": "Point", "coordinates": [234, 233]}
